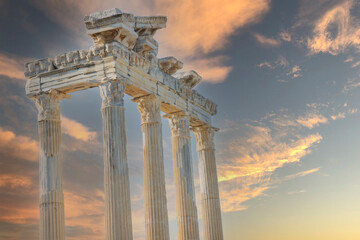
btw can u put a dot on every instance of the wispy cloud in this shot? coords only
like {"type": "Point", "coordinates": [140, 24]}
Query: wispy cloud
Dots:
{"type": "Point", "coordinates": [295, 72]}
{"type": "Point", "coordinates": [336, 30]}
{"type": "Point", "coordinates": [351, 84]}
{"type": "Point", "coordinates": [77, 130]}
{"type": "Point", "coordinates": [18, 146]}
{"type": "Point", "coordinates": [12, 66]}
{"type": "Point", "coordinates": [302, 174]}
{"type": "Point", "coordinates": [340, 115]}
{"type": "Point", "coordinates": [281, 61]}
{"type": "Point", "coordinates": [356, 64]}
{"type": "Point", "coordinates": [285, 36]}
{"type": "Point", "coordinates": [312, 118]}
{"type": "Point", "coordinates": [251, 153]}
{"type": "Point", "coordinates": [267, 41]}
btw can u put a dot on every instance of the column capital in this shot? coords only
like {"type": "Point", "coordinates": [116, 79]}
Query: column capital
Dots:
{"type": "Point", "coordinates": [112, 92]}
{"type": "Point", "coordinates": [149, 107]}
{"type": "Point", "coordinates": [48, 104]}
{"type": "Point", "coordinates": [204, 137]}
{"type": "Point", "coordinates": [179, 124]}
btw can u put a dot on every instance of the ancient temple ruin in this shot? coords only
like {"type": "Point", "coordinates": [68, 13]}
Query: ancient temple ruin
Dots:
{"type": "Point", "coordinates": [123, 60]}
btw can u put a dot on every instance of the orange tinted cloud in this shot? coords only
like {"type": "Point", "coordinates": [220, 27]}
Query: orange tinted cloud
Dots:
{"type": "Point", "coordinates": [211, 69]}
{"type": "Point", "coordinates": [339, 20]}
{"type": "Point", "coordinates": [266, 41]}
{"type": "Point", "coordinates": [12, 66]}
{"type": "Point", "coordinates": [77, 130]}
{"type": "Point", "coordinates": [17, 146]}
{"type": "Point", "coordinates": [251, 154]}
{"type": "Point", "coordinates": [15, 181]}
{"type": "Point", "coordinates": [303, 173]}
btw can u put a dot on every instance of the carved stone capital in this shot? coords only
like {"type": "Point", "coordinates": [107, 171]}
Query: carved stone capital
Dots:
{"type": "Point", "coordinates": [179, 124]}
{"type": "Point", "coordinates": [149, 107]}
{"type": "Point", "coordinates": [112, 93]}
{"type": "Point", "coordinates": [48, 105]}
{"type": "Point", "coordinates": [204, 137]}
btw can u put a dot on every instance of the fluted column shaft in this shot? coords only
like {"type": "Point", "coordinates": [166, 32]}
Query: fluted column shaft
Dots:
{"type": "Point", "coordinates": [187, 218]}
{"type": "Point", "coordinates": [52, 219]}
{"type": "Point", "coordinates": [156, 215]}
{"type": "Point", "coordinates": [211, 211]}
{"type": "Point", "coordinates": [116, 174]}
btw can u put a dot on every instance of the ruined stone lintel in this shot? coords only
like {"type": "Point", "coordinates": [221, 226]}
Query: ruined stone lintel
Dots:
{"type": "Point", "coordinates": [170, 65]}
{"type": "Point", "coordinates": [80, 63]}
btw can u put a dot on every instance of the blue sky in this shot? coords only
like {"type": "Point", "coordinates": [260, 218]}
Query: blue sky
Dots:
{"type": "Point", "coordinates": [285, 76]}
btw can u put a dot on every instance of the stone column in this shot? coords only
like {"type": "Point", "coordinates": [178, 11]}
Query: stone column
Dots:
{"type": "Point", "coordinates": [52, 219]}
{"type": "Point", "coordinates": [211, 211]}
{"type": "Point", "coordinates": [187, 218]}
{"type": "Point", "coordinates": [116, 173]}
{"type": "Point", "coordinates": [156, 216]}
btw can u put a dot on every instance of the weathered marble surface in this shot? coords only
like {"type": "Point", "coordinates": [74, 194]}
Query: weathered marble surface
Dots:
{"type": "Point", "coordinates": [210, 200]}
{"type": "Point", "coordinates": [118, 223]}
{"type": "Point", "coordinates": [187, 218]}
{"type": "Point", "coordinates": [52, 219]}
{"type": "Point", "coordinates": [156, 214]}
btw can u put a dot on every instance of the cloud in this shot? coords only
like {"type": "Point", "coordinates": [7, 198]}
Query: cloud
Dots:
{"type": "Point", "coordinates": [266, 64]}
{"type": "Point", "coordinates": [12, 66]}
{"type": "Point", "coordinates": [351, 83]}
{"type": "Point", "coordinates": [266, 41]}
{"type": "Point", "coordinates": [280, 62]}
{"type": "Point", "coordinates": [335, 31]}
{"type": "Point", "coordinates": [302, 174]}
{"type": "Point", "coordinates": [211, 69]}
{"type": "Point", "coordinates": [251, 153]}
{"type": "Point", "coordinates": [15, 181]}
{"type": "Point", "coordinates": [356, 64]}
{"type": "Point", "coordinates": [18, 146]}
{"type": "Point", "coordinates": [340, 115]}
{"type": "Point", "coordinates": [309, 120]}
{"type": "Point", "coordinates": [350, 59]}
{"type": "Point", "coordinates": [285, 36]}
{"type": "Point", "coordinates": [77, 130]}
{"type": "Point", "coordinates": [295, 72]}
{"type": "Point", "coordinates": [194, 30]}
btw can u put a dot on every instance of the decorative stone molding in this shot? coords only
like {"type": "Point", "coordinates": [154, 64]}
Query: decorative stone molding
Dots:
{"type": "Point", "coordinates": [204, 137]}
{"type": "Point", "coordinates": [149, 25]}
{"type": "Point", "coordinates": [149, 107]}
{"type": "Point", "coordinates": [189, 79]}
{"type": "Point", "coordinates": [146, 45]}
{"type": "Point", "coordinates": [170, 65]}
{"type": "Point", "coordinates": [179, 124]}
{"type": "Point", "coordinates": [112, 25]}
{"type": "Point", "coordinates": [48, 105]}
{"type": "Point", "coordinates": [112, 93]}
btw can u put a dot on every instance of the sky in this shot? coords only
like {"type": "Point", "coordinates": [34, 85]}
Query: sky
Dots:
{"type": "Point", "coordinates": [286, 78]}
